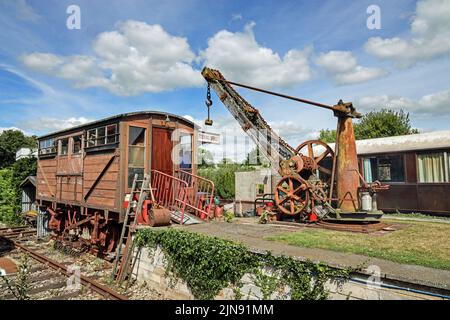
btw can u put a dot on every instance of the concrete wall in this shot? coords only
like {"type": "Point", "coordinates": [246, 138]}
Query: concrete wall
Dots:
{"type": "Point", "coordinates": [246, 182]}
{"type": "Point", "coordinates": [149, 269]}
{"type": "Point", "coordinates": [245, 187]}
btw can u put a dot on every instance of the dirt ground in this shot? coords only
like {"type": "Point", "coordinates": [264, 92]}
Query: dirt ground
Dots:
{"type": "Point", "coordinates": [252, 234]}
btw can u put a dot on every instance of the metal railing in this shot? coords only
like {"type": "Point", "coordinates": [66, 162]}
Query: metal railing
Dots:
{"type": "Point", "coordinates": [169, 191]}
{"type": "Point", "coordinates": [200, 194]}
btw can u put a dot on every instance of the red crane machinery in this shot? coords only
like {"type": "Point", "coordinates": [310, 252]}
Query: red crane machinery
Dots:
{"type": "Point", "coordinates": [315, 179]}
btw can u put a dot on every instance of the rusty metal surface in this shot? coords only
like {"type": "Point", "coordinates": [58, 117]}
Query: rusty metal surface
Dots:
{"type": "Point", "coordinates": [351, 227]}
{"type": "Point", "coordinates": [347, 179]}
{"type": "Point", "coordinates": [7, 266]}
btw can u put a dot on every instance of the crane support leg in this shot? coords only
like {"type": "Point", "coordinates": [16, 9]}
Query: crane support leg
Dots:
{"type": "Point", "coordinates": [347, 166]}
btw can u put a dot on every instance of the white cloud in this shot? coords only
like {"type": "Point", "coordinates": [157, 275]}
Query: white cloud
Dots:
{"type": "Point", "coordinates": [434, 103]}
{"type": "Point", "coordinates": [20, 10]}
{"type": "Point", "coordinates": [241, 58]}
{"type": "Point", "coordinates": [344, 69]}
{"type": "Point", "coordinates": [235, 144]}
{"type": "Point", "coordinates": [430, 36]}
{"type": "Point", "coordinates": [43, 62]}
{"type": "Point", "coordinates": [134, 59]}
{"type": "Point", "coordinates": [49, 124]}
{"type": "Point", "coordinates": [12, 128]}
{"type": "Point", "coordinates": [236, 16]}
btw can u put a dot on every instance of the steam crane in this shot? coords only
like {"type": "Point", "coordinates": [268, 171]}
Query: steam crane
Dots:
{"type": "Point", "coordinates": [315, 179]}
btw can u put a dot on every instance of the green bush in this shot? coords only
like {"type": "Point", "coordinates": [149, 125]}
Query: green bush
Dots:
{"type": "Point", "coordinates": [208, 264]}
{"type": "Point", "coordinates": [223, 177]}
{"type": "Point", "coordinates": [8, 198]}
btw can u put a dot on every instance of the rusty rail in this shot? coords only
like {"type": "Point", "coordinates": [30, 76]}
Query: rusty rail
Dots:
{"type": "Point", "coordinates": [90, 283]}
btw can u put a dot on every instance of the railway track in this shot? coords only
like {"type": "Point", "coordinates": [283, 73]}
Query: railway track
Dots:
{"type": "Point", "coordinates": [17, 232]}
{"type": "Point", "coordinates": [48, 279]}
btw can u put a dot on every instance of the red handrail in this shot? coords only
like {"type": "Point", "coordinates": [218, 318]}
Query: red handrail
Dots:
{"type": "Point", "coordinates": [200, 199]}
{"type": "Point", "coordinates": [170, 191]}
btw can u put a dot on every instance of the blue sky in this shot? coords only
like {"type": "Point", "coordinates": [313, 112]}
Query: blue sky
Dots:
{"type": "Point", "coordinates": [147, 55]}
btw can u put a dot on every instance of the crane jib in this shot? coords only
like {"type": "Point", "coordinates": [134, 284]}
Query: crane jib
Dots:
{"type": "Point", "coordinates": [251, 121]}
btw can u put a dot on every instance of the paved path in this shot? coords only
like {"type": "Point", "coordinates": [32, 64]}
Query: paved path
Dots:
{"type": "Point", "coordinates": [251, 234]}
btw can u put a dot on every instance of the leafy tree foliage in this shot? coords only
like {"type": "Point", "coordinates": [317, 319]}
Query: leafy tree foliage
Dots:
{"type": "Point", "coordinates": [377, 124]}
{"type": "Point", "coordinates": [255, 157]}
{"type": "Point", "coordinates": [327, 135]}
{"type": "Point", "coordinates": [21, 169]}
{"type": "Point", "coordinates": [8, 198]}
{"type": "Point", "coordinates": [223, 177]}
{"type": "Point", "coordinates": [206, 158]}
{"type": "Point", "coordinates": [10, 142]}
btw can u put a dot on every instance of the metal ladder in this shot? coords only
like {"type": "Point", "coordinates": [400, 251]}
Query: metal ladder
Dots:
{"type": "Point", "coordinates": [120, 269]}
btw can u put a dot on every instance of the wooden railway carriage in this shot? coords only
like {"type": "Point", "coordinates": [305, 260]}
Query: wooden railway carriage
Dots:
{"type": "Point", "coordinates": [85, 172]}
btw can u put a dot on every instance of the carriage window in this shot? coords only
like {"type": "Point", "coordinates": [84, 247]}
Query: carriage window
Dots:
{"type": "Point", "coordinates": [64, 146]}
{"type": "Point", "coordinates": [136, 153]}
{"type": "Point", "coordinates": [111, 133]}
{"type": "Point", "coordinates": [76, 145]}
{"type": "Point", "coordinates": [102, 136]}
{"type": "Point", "coordinates": [186, 152]}
{"type": "Point", "coordinates": [47, 147]}
{"type": "Point", "coordinates": [91, 138]}
{"type": "Point", "coordinates": [433, 167]}
{"type": "Point", "coordinates": [384, 168]}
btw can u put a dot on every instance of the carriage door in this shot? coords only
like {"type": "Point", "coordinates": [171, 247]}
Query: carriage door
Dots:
{"type": "Point", "coordinates": [162, 150]}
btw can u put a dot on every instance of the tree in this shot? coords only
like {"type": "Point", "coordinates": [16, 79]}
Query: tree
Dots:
{"type": "Point", "coordinates": [255, 157]}
{"type": "Point", "coordinates": [21, 169]}
{"type": "Point", "coordinates": [8, 198]}
{"type": "Point", "coordinates": [206, 158]}
{"type": "Point", "coordinates": [376, 124]}
{"type": "Point", "coordinates": [223, 177]}
{"type": "Point", "coordinates": [10, 142]}
{"type": "Point", "coordinates": [327, 135]}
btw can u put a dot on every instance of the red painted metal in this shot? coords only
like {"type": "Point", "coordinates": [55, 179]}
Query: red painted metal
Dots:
{"type": "Point", "coordinates": [170, 192]}
{"type": "Point", "coordinates": [200, 195]}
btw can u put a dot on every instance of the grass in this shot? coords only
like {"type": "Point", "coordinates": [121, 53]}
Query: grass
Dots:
{"type": "Point", "coordinates": [421, 243]}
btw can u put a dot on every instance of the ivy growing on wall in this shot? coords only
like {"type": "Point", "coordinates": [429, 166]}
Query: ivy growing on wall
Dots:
{"type": "Point", "coordinates": [208, 264]}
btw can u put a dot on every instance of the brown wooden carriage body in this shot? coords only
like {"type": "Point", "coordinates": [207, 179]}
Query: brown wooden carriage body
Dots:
{"type": "Point", "coordinates": [88, 169]}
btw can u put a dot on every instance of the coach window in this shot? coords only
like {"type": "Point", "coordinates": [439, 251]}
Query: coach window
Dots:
{"type": "Point", "coordinates": [47, 147]}
{"type": "Point", "coordinates": [136, 153]}
{"type": "Point", "coordinates": [102, 136]}
{"type": "Point", "coordinates": [186, 152]}
{"type": "Point", "coordinates": [64, 146]}
{"type": "Point", "coordinates": [76, 145]}
{"type": "Point", "coordinates": [111, 134]}
{"type": "Point", "coordinates": [386, 168]}
{"type": "Point", "coordinates": [433, 167]}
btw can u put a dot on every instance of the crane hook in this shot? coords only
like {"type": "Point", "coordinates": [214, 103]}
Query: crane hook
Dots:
{"type": "Point", "coordinates": [208, 103]}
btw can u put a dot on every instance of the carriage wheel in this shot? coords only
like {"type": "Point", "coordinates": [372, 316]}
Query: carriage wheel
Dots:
{"type": "Point", "coordinates": [291, 195]}
{"type": "Point", "coordinates": [307, 149]}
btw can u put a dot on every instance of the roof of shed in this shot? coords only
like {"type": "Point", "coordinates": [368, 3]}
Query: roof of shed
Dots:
{"type": "Point", "coordinates": [117, 117]}
{"type": "Point", "coordinates": [411, 142]}
{"type": "Point", "coordinates": [28, 180]}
